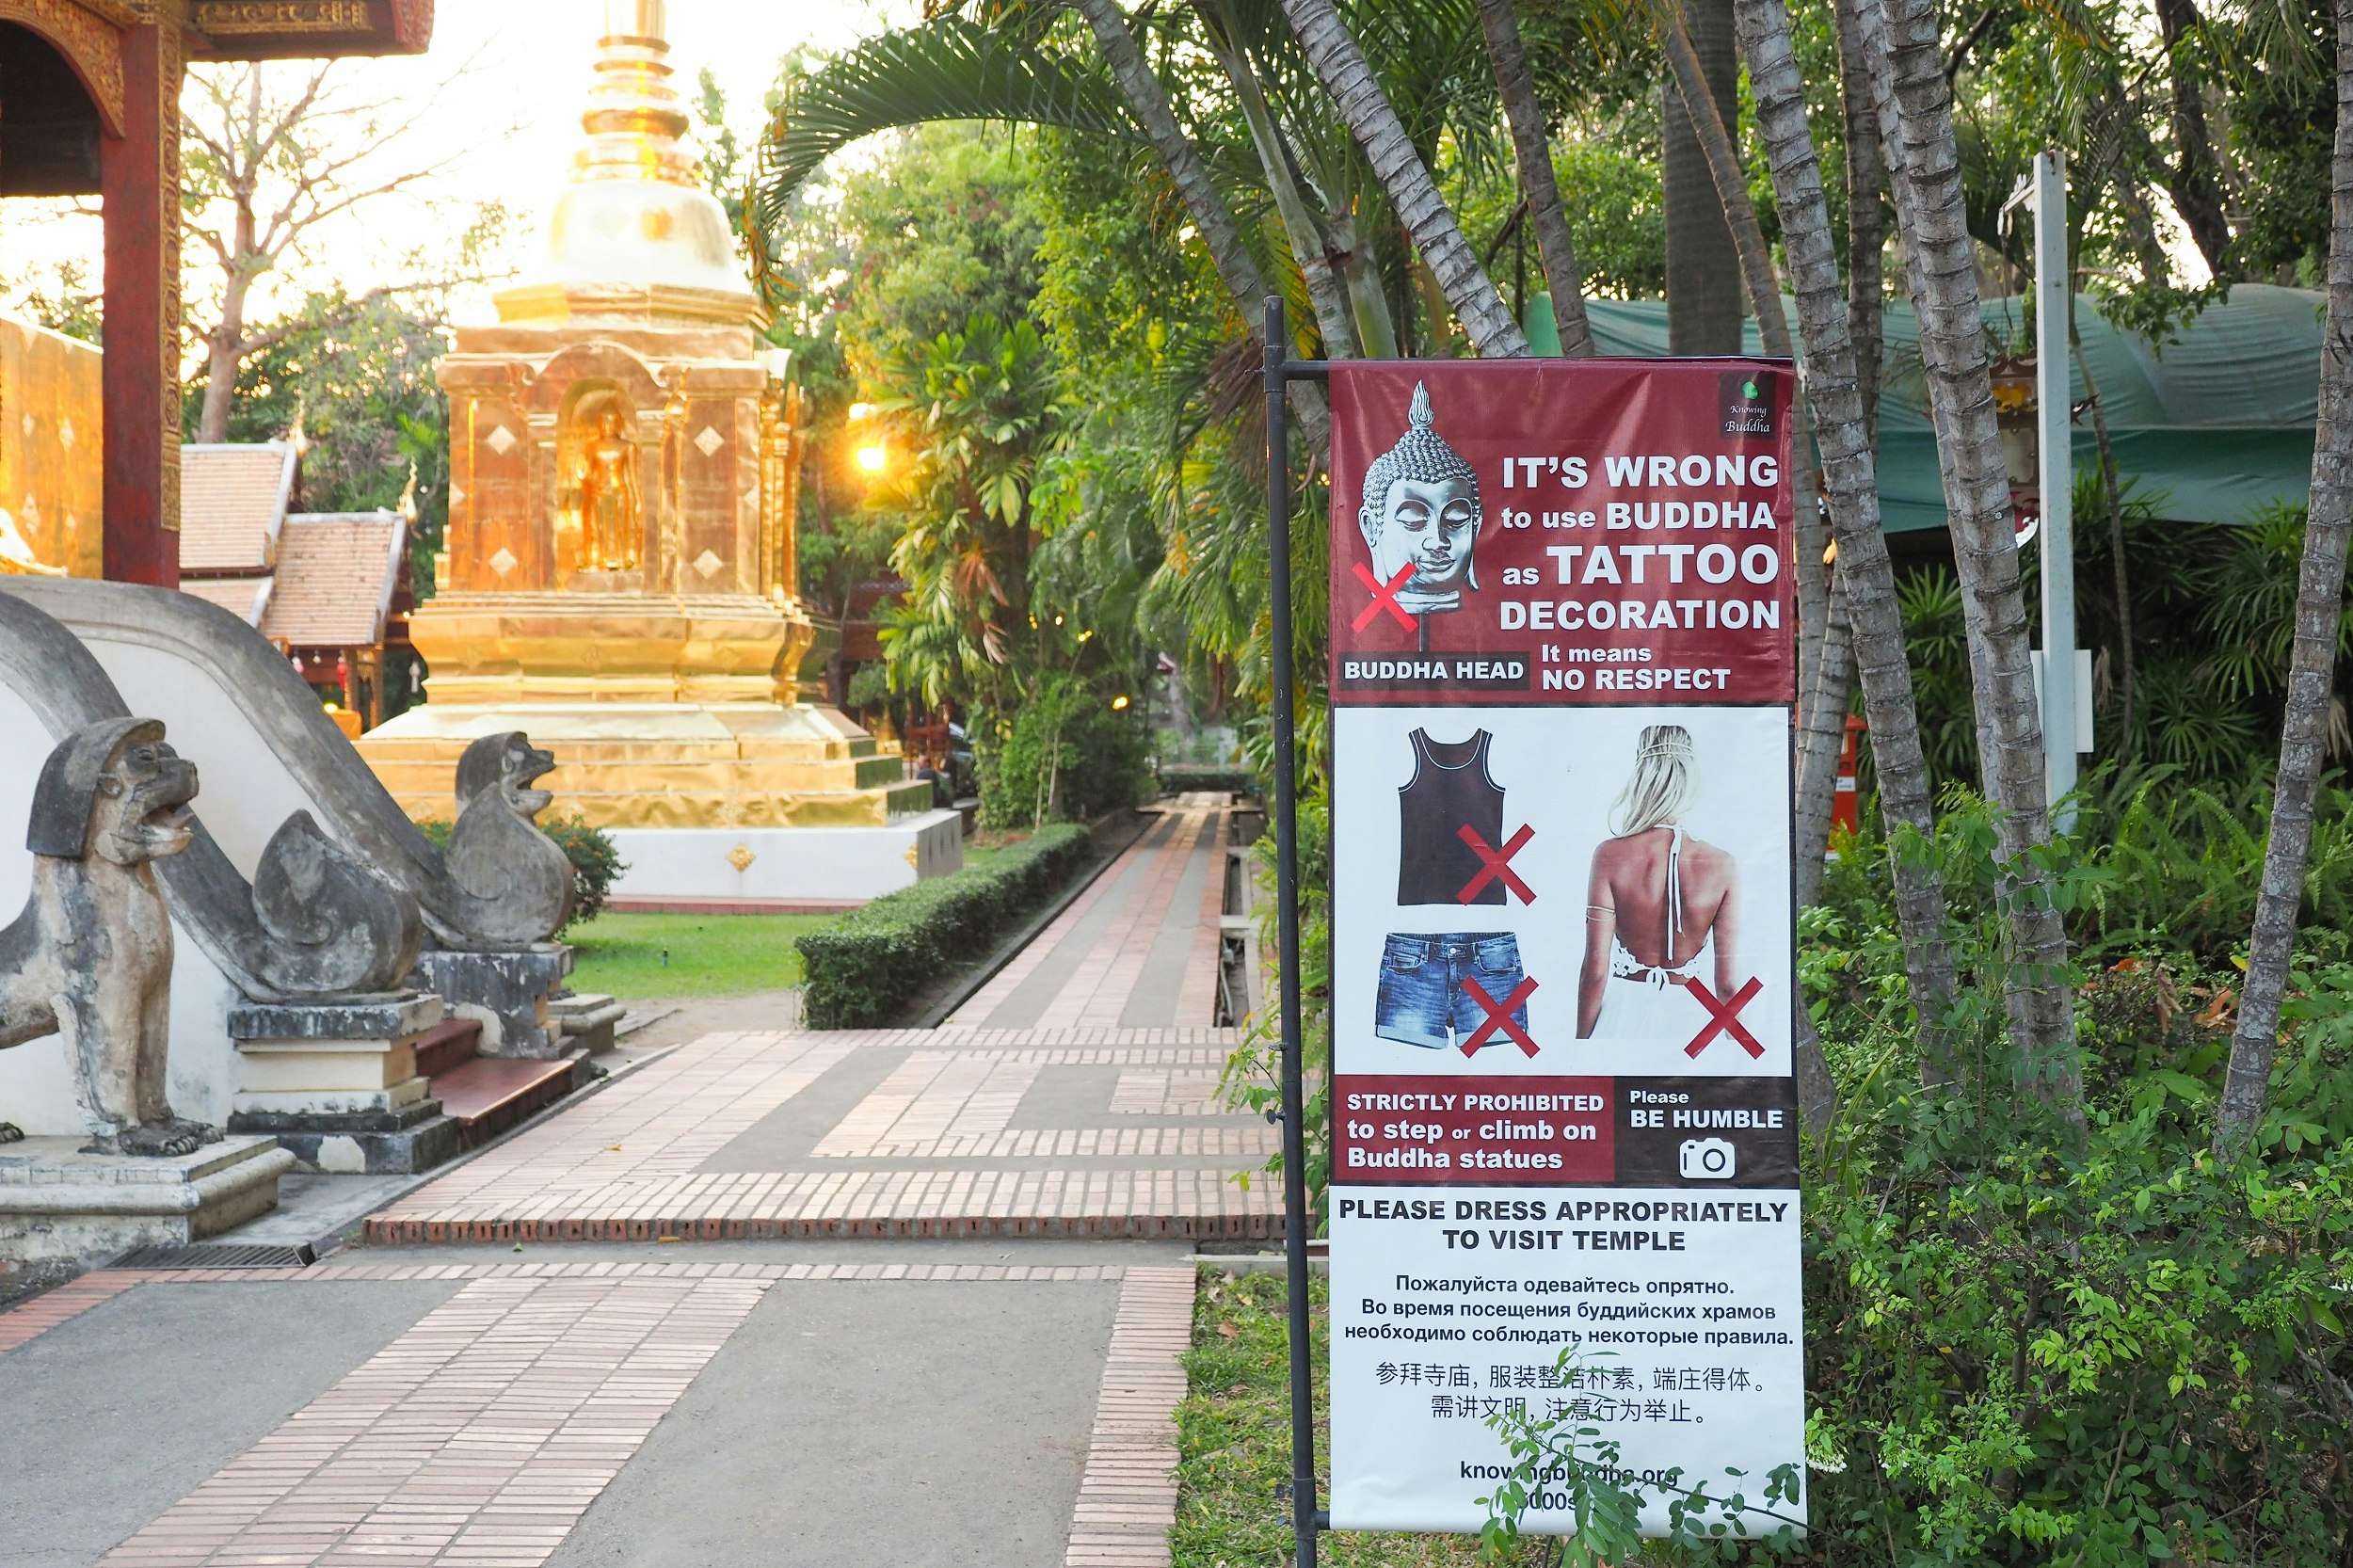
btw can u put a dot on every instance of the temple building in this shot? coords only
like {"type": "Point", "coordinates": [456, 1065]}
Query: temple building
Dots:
{"type": "Point", "coordinates": [89, 105]}
{"type": "Point", "coordinates": [52, 470]}
{"type": "Point", "coordinates": [618, 575]}
{"type": "Point", "coordinates": [331, 589]}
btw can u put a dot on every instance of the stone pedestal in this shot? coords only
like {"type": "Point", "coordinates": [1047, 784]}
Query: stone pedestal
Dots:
{"type": "Point", "coordinates": [586, 1022]}
{"type": "Point", "coordinates": [507, 992]}
{"type": "Point", "coordinates": [337, 1083]}
{"type": "Point", "coordinates": [56, 1202]}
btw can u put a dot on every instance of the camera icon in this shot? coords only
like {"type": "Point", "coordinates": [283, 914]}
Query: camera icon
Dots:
{"type": "Point", "coordinates": [1704, 1159]}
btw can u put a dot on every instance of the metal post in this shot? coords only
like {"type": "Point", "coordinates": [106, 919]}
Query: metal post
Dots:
{"type": "Point", "coordinates": [1278, 508]}
{"type": "Point", "coordinates": [2054, 400]}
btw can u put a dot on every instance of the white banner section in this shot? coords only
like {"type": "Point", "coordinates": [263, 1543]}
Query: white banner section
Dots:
{"type": "Point", "coordinates": [1680, 1309]}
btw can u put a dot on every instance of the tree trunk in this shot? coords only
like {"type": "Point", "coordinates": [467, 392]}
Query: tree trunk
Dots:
{"type": "Point", "coordinates": [1211, 217]}
{"type": "Point", "coordinates": [1731, 183]}
{"type": "Point", "coordinates": [1822, 739]}
{"type": "Point", "coordinates": [1517, 84]}
{"type": "Point", "coordinates": [1823, 720]}
{"type": "Point", "coordinates": [2311, 665]}
{"type": "Point", "coordinates": [1851, 480]}
{"type": "Point", "coordinates": [1924, 153]}
{"type": "Point", "coordinates": [1300, 229]}
{"type": "Point", "coordinates": [1866, 218]}
{"type": "Point", "coordinates": [220, 365]}
{"type": "Point", "coordinates": [1720, 159]}
{"type": "Point", "coordinates": [2192, 181]}
{"type": "Point", "coordinates": [1340, 65]}
{"type": "Point", "coordinates": [1703, 266]}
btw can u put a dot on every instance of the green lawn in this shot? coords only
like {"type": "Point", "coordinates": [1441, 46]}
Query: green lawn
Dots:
{"type": "Point", "coordinates": [689, 955]}
{"type": "Point", "coordinates": [707, 955]}
{"type": "Point", "coordinates": [1233, 1441]}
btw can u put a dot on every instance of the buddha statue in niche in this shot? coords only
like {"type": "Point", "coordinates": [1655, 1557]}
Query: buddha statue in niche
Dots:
{"type": "Point", "coordinates": [611, 512]}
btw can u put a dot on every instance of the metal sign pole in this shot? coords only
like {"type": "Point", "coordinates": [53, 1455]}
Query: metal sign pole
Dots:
{"type": "Point", "coordinates": [1278, 505]}
{"type": "Point", "coordinates": [2053, 396]}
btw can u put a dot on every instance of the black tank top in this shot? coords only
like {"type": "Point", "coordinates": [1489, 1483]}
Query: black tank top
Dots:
{"type": "Point", "coordinates": [1449, 788]}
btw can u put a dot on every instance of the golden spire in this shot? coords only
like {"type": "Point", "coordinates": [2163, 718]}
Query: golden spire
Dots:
{"type": "Point", "coordinates": [633, 118]}
{"type": "Point", "coordinates": [634, 230]}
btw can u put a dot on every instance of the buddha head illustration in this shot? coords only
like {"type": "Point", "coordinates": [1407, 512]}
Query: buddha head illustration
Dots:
{"type": "Point", "coordinates": [1420, 509]}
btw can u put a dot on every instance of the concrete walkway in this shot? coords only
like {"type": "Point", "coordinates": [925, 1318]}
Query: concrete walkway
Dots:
{"type": "Point", "coordinates": [775, 1298]}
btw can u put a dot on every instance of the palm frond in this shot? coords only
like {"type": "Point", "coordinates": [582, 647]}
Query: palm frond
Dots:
{"type": "Point", "coordinates": [945, 68]}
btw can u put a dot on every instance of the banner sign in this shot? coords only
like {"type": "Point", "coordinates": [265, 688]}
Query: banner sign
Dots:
{"type": "Point", "coordinates": [1563, 669]}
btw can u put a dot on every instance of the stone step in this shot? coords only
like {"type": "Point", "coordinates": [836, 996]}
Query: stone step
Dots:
{"type": "Point", "coordinates": [489, 1093]}
{"type": "Point", "coordinates": [587, 1020]}
{"type": "Point", "coordinates": [447, 1045]}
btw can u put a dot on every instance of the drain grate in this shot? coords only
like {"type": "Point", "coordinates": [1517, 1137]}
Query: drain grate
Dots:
{"type": "Point", "coordinates": [223, 1255]}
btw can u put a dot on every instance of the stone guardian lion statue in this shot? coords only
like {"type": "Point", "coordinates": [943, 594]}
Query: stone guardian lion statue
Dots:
{"type": "Point", "coordinates": [515, 883]}
{"type": "Point", "coordinates": [90, 956]}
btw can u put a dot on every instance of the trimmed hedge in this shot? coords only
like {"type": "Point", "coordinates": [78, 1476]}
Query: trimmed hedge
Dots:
{"type": "Point", "coordinates": [1177, 778]}
{"type": "Point", "coordinates": [866, 967]}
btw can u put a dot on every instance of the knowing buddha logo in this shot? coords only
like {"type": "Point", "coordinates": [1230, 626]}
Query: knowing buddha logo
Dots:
{"type": "Point", "coordinates": [1742, 404]}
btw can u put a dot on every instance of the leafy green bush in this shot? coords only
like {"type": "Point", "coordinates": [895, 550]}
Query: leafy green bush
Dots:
{"type": "Point", "coordinates": [596, 863]}
{"type": "Point", "coordinates": [867, 966]}
{"type": "Point", "coordinates": [1067, 757]}
{"type": "Point", "coordinates": [2031, 1343]}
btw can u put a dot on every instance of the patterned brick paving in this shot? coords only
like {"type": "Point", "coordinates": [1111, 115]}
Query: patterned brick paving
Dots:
{"type": "Point", "coordinates": [479, 1437]}
{"type": "Point", "coordinates": [626, 1165]}
{"type": "Point", "coordinates": [1103, 962]}
{"type": "Point", "coordinates": [1128, 1493]}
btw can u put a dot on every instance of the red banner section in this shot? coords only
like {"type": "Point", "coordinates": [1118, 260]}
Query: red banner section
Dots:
{"type": "Point", "coordinates": [1582, 532]}
{"type": "Point", "coordinates": [1458, 1131]}
{"type": "Point", "coordinates": [1454, 1132]}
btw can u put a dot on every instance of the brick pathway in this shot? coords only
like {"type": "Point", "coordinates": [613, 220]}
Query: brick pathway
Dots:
{"type": "Point", "coordinates": [739, 1135]}
{"type": "Point", "coordinates": [1077, 1095]}
{"type": "Point", "coordinates": [1138, 950]}
{"type": "Point", "coordinates": [480, 1437]}
{"type": "Point", "coordinates": [1127, 1496]}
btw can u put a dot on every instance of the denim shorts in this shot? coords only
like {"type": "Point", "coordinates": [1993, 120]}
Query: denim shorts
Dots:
{"type": "Point", "coordinates": [1422, 1000]}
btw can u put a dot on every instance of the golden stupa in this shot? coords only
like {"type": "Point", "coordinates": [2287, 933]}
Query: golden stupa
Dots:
{"type": "Point", "coordinates": [618, 577]}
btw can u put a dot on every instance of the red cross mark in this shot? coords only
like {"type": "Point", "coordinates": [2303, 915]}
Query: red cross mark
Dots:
{"type": "Point", "coordinates": [1384, 597]}
{"type": "Point", "coordinates": [1493, 864]}
{"type": "Point", "coordinates": [1723, 1016]}
{"type": "Point", "coordinates": [1499, 1014]}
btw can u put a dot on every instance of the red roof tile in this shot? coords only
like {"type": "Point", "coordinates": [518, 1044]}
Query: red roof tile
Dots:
{"type": "Point", "coordinates": [232, 500]}
{"type": "Point", "coordinates": [335, 577]}
{"type": "Point", "coordinates": [242, 597]}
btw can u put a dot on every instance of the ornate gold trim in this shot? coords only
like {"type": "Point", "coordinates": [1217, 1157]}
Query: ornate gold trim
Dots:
{"type": "Point", "coordinates": [89, 45]}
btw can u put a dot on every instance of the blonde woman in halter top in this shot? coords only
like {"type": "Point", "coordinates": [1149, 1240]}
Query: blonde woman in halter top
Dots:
{"type": "Point", "coordinates": [1658, 899]}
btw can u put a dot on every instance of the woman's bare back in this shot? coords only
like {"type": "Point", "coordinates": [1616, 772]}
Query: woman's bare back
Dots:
{"type": "Point", "coordinates": [1630, 877]}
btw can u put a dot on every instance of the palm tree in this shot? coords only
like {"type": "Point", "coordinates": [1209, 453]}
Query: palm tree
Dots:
{"type": "Point", "coordinates": [1849, 469]}
{"type": "Point", "coordinates": [2311, 665]}
{"type": "Point", "coordinates": [952, 68]}
{"type": "Point", "coordinates": [1703, 266]}
{"type": "Point", "coordinates": [1924, 168]}
{"type": "Point", "coordinates": [1821, 736]}
{"type": "Point", "coordinates": [1309, 239]}
{"type": "Point", "coordinates": [1340, 65]}
{"type": "Point", "coordinates": [1822, 714]}
{"type": "Point", "coordinates": [1148, 102]}
{"type": "Point", "coordinates": [1517, 86]}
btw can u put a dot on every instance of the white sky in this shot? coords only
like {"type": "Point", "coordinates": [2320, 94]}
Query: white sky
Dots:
{"type": "Point", "coordinates": [512, 127]}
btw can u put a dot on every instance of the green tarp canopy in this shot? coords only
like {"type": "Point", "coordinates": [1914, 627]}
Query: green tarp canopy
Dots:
{"type": "Point", "coordinates": [2213, 425]}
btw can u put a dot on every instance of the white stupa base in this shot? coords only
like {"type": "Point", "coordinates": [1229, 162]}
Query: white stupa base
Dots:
{"type": "Point", "coordinates": [744, 869]}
